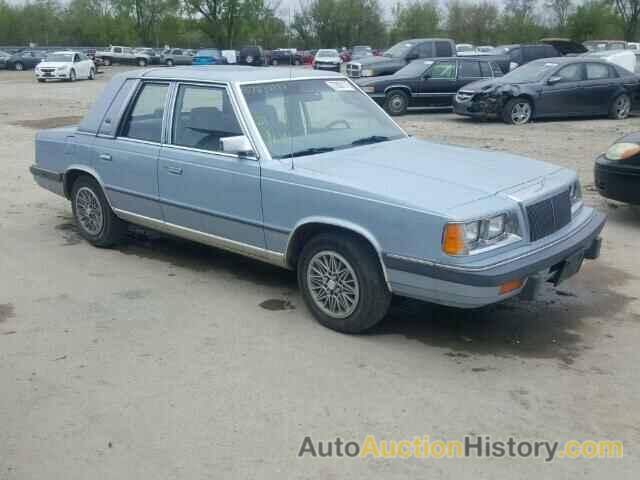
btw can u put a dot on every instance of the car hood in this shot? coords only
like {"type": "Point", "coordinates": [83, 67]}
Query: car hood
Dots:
{"type": "Point", "coordinates": [422, 175]}
{"type": "Point", "coordinates": [381, 62]}
{"type": "Point", "coordinates": [53, 64]}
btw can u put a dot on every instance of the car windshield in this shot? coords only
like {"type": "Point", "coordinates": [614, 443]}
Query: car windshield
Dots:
{"type": "Point", "coordinates": [399, 50]}
{"type": "Point", "coordinates": [304, 117]}
{"type": "Point", "coordinates": [531, 72]}
{"type": "Point", "coordinates": [208, 53]}
{"type": "Point", "coordinates": [327, 53]}
{"type": "Point", "coordinates": [414, 69]}
{"type": "Point", "coordinates": [60, 57]}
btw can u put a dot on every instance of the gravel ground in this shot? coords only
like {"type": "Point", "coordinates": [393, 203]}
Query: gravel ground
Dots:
{"type": "Point", "coordinates": [163, 359]}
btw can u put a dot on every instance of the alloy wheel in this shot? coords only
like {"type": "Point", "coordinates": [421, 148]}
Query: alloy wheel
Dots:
{"type": "Point", "coordinates": [521, 113]}
{"type": "Point", "coordinates": [333, 284]}
{"type": "Point", "coordinates": [89, 211]}
{"type": "Point", "coordinates": [622, 106]}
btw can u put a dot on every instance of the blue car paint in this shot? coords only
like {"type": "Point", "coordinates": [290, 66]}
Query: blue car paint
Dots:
{"type": "Point", "coordinates": [398, 194]}
{"type": "Point", "coordinates": [209, 57]}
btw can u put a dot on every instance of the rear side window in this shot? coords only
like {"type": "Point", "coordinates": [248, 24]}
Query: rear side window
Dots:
{"type": "Point", "coordinates": [203, 117]}
{"type": "Point", "coordinates": [597, 71]}
{"type": "Point", "coordinates": [444, 49]}
{"type": "Point", "coordinates": [485, 69]}
{"type": "Point", "coordinates": [144, 120]}
{"type": "Point", "coordinates": [110, 120]}
{"type": "Point", "coordinates": [469, 70]}
{"type": "Point", "coordinates": [515, 55]}
{"type": "Point", "coordinates": [497, 71]}
{"type": "Point", "coordinates": [424, 50]}
{"type": "Point", "coordinates": [177, 52]}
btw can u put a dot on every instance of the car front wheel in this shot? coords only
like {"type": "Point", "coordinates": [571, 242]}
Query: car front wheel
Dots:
{"type": "Point", "coordinates": [92, 74]}
{"type": "Point", "coordinates": [342, 283]}
{"type": "Point", "coordinates": [72, 76]}
{"type": "Point", "coordinates": [94, 218]}
{"type": "Point", "coordinates": [142, 62]}
{"type": "Point", "coordinates": [517, 111]}
{"type": "Point", "coordinates": [397, 102]}
{"type": "Point", "coordinates": [18, 66]}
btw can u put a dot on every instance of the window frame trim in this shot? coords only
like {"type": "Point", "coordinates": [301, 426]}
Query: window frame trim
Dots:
{"type": "Point", "coordinates": [167, 138]}
{"type": "Point", "coordinates": [131, 103]}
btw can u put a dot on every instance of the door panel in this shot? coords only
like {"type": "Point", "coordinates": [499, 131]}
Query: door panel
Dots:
{"type": "Point", "coordinates": [200, 187]}
{"type": "Point", "coordinates": [599, 88]}
{"type": "Point", "coordinates": [566, 97]}
{"type": "Point", "coordinates": [439, 86]}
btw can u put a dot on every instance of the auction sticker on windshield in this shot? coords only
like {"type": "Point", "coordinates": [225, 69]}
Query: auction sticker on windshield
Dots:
{"type": "Point", "coordinates": [340, 85]}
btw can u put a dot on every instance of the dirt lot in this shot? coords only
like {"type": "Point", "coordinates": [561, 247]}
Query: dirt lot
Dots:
{"type": "Point", "coordinates": [163, 359]}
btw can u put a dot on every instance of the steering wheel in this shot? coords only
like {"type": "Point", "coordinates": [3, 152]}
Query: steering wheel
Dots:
{"type": "Point", "coordinates": [338, 122]}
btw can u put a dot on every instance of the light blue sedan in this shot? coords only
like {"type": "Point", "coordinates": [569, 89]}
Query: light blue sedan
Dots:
{"type": "Point", "coordinates": [303, 170]}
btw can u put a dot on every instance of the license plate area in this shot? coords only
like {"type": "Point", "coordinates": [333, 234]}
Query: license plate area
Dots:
{"type": "Point", "coordinates": [567, 268]}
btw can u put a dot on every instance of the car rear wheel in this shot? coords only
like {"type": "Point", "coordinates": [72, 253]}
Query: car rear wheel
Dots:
{"type": "Point", "coordinates": [274, 62]}
{"type": "Point", "coordinates": [517, 111]}
{"type": "Point", "coordinates": [397, 102]}
{"type": "Point", "coordinates": [342, 283]}
{"type": "Point", "coordinates": [142, 62]}
{"type": "Point", "coordinates": [107, 62]}
{"type": "Point", "coordinates": [620, 107]}
{"type": "Point", "coordinates": [19, 66]}
{"type": "Point", "coordinates": [94, 218]}
{"type": "Point", "coordinates": [169, 63]}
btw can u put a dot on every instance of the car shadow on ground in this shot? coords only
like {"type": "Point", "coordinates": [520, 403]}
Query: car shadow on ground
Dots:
{"type": "Point", "coordinates": [560, 323]}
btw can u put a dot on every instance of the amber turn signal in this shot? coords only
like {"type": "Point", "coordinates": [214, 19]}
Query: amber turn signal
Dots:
{"type": "Point", "coordinates": [453, 239]}
{"type": "Point", "coordinates": [510, 286]}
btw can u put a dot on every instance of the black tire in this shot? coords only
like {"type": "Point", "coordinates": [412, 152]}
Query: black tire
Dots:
{"type": "Point", "coordinates": [396, 102]}
{"type": "Point", "coordinates": [274, 62]}
{"type": "Point", "coordinates": [169, 63]}
{"type": "Point", "coordinates": [374, 297]}
{"type": "Point", "coordinates": [112, 228]}
{"type": "Point", "coordinates": [92, 74]}
{"type": "Point", "coordinates": [620, 107]}
{"type": "Point", "coordinates": [72, 76]}
{"type": "Point", "coordinates": [107, 62]}
{"type": "Point", "coordinates": [512, 117]}
{"type": "Point", "coordinates": [18, 66]}
{"type": "Point", "coordinates": [142, 62]}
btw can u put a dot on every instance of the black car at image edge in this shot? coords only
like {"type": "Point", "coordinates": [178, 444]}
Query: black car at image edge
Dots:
{"type": "Point", "coordinates": [552, 87]}
{"type": "Point", "coordinates": [617, 171]}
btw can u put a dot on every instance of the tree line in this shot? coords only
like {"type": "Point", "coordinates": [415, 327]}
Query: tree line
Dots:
{"type": "Point", "coordinates": [312, 24]}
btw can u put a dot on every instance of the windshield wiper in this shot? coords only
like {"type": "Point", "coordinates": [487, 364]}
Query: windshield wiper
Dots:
{"type": "Point", "coordinates": [371, 139]}
{"type": "Point", "coordinates": [308, 151]}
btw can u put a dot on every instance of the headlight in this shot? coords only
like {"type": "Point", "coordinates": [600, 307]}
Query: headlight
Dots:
{"type": "Point", "coordinates": [575, 193]}
{"type": "Point", "coordinates": [471, 237]}
{"type": "Point", "coordinates": [622, 151]}
{"type": "Point", "coordinates": [369, 89]}
{"type": "Point", "coordinates": [367, 73]}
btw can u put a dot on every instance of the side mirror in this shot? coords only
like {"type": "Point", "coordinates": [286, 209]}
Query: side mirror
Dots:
{"type": "Point", "coordinates": [553, 80]}
{"type": "Point", "coordinates": [238, 145]}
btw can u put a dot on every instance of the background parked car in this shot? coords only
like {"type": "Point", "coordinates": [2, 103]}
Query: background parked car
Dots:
{"type": "Point", "coordinates": [65, 65]}
{"type": "Point", "coordinates": [176, 56]}
{"type": "Point", "coordinates": [617, 171]}
{"type": "Point", "coordinates": [463, 49]}
{"type": "Point", "coordinates": [123, 55]}
{"type": "Point", "coordinates": [427, 83]}
{"type": "Point", "coordinates": [399, 55]}
{"type": "Point", "coordinates": [510, 57]}
{"type": "Point", "coordinates": [26, 59]}
{"type": "Point", "coordinates": [553, 87]}
{"type": "Point", "coordinates": [4, 56]}
{"type": "Point", "coordinates": [605, 45]}
{"type": "Point", "coordinates": [327, 59]}
{"type": "Point", "coordinates": [286, 56]}
{"type": "Point", "coordinates": [154, 58]}
{"type": "Point", "coordinates": [308, 56]}
{"type": "Point", "coordinates": [209, 56]}
{"type": "Point", "coordinates": [565, 46]}
{"type": "Point", "coordinates": [253, 55]}
{"type": "Point", "coordinates": [361, 51]}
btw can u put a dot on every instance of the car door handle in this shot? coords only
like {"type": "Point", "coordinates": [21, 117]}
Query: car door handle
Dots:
{"type": "Point", "coordinates": [174, 170]}
{"type": "Point", "coordinates": [105, 156]}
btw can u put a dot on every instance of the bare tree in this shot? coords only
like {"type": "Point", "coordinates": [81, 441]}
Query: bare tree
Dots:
{"type": "Point", "coordinates": [629, 10]}
{"type": "Point", "coordinates": [562, 10]}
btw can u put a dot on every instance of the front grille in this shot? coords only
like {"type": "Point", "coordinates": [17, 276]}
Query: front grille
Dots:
{"type": "Point", "coordinates": [47, 70]}
{"type": "Point", "coordinates": [549, 216]}
{"type": "Point", "coordinates": [354, 70]}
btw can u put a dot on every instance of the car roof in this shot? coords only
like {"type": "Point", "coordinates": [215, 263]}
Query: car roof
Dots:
{"type": "Point", "coordinates": [563, 60]}
{"type": "Point", "coordinates": [231, 74]}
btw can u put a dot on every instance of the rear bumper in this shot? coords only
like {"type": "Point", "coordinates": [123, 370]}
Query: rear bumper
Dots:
{"type": "Point", "coordinates": [617, 183]}
{"type": "Point", "coordinates": [471, 287]}
{"type": "Point", "coordinates": [52, 181]}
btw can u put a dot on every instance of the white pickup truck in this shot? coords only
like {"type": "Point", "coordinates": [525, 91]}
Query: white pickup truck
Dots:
{"type": "Point", "coordinates": [126, 55]}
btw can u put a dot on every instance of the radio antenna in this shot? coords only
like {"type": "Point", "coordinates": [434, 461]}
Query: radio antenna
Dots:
{"type": "Point", "coordinates": [291, 57]}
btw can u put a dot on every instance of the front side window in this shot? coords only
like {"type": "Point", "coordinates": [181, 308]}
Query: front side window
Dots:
{"type": "Point", "coordinates": [570, 73]}
{"type": "Point", "coordinates": [486, 69]}
{"type": "Point", "coordinates": [117, 50]}
{"type": "Point", "coordinates": [304, 117]}
{"type": "Point", "coordinates": [203, 116]}
{"type": "Point", "coordinates": [444, 70]}
{"type": "Point", "coordinates": [144, 121]}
